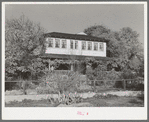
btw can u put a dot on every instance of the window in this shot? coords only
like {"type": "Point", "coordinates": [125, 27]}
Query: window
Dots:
{"type": "Point", "coordinates": [57, 43]}
{"type": "Point", "coordinates": [101, 46]}
{"type": "Point", "coordinates": [83, 45]}
{"type": "Point", "coordinates": [95, 46]}
{"type": "Point", "coordinates": [76, 44]}
{"type": "Point", "coordinates": [64, 44]}
{"type": "Point", "coordinates": [89, 45]}
{"type": "Point", "coordinates": [50, 42]}
{"type": "Point", "coordinates": [71, 44]}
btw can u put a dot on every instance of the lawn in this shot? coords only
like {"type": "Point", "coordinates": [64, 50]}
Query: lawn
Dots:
{"type": "Point", "coordinates": [114, 101]}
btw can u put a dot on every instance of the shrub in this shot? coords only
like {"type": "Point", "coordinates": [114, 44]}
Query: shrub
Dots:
{"type": "Point", "coordinates": [17, 85]}
{"type": "Point", "coordinates": [31, 85]}
{"type": "Point", "coordinates": [141, 96]}
{"type": "Point", "coordinates": [45, 90]}
{"type": "Point", "coordinates": [128, 74]}
{"type": "Point", "coordinates": [103, 75]}
{"type": "Point", "coordinates": [136, 86]}
{"type": "Point", "coordinates": [90, 73]}
{"type": "Point", "coordinates": [84, 88]}
{"type": "Point", "coordinates": [61, 82]}
{"type": "Point", "coordinates": [104, 96]}
{"type": "Point", "coordinates": [42, 84]}
{"type": "Point", "coordinates": [139, 87]}
{"type": "Point", "coordinates": [118, 84]}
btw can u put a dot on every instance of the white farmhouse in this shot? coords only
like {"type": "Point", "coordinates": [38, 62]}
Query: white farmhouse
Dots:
{"type": "Point", "coordinates": [64, 46]}
{"type": "Point", "coordinates": [75, 44]}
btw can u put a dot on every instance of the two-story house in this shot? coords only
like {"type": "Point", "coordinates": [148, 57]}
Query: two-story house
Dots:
{"type": "Point", "coordinates": [74, 46]}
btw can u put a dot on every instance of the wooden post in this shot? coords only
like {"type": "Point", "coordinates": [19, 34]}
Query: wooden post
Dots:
{"type": "Point", "coordinates": [124, 84]}
{"type": "Point", "coordinates": [71, 67]}
{"type": "Point", "coordinates": [49, 65]}
{"type": "Point", "coordinates": [24, 87]}
{"type": "Point", "coordinates": [105, 84]}
{"type": "Point", "coordinates": [94, 83]}
{"type": "Point", "coordinates": [52, 68]}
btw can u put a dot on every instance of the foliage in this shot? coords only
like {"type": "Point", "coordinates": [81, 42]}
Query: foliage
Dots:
{"type": "Point", "coordinates": [97, 30]}
{"type": "Point", "coordinates": [23, 43]}
{"type": "Point", "coordinates": [123, 45]}
{"type": "Point", "coordinates": [32, 85]}
{"type": "Point", "coordinates": [100, 73]}
{"type": "Point", "coordinates": [45, 90]}
{"type": "Point", "coordinates": [84, 87]}
{"type": "Point", "coordinates": [62, 82]}
{"type": "Point", "coordinates": [136, 87]}
{"type": "Point", "coordinates": [104, 96]}
{"type": "Point", "coordinates": [128, 74]}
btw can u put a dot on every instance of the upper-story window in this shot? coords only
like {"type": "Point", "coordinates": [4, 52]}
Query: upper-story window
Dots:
{"type": "Point", "coordinates": [50, 41]}
{"type": "Point", "coordinates": [89, 45]}
{"type": "Point", "coordinates": [76, 44]}
{"type": "Point", "coordinates": [64, 44]}
{"type": "Point", "coordinates": [101, 47]}
{"type": "Point", "coordinates": [83, 45]}
{"type": "Point", "coordinates": [57, 43]}
{"type": "Point", "coordinates": [71, 44]}
{"type": "Point", "coordinates": [95, 46]}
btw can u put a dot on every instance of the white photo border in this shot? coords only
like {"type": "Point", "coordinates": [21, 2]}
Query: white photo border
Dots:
{"type": "Point", "coordinates": [59, 113]}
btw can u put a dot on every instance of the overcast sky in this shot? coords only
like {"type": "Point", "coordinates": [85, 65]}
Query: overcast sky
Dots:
{"type": "Point", "coordinates": [75, 18]}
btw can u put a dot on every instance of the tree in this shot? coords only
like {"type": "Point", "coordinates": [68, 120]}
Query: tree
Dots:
{"type": "Point", "coordinates": [24, 41]}
{"type": "Point", "coordinates": [123, 45]}
{"type": "Point", "coordinates": [130, 47]}
{"type": "Point", "coordinates": [97, 30]}
{"type": "Point", "coordinates": [103, 32]}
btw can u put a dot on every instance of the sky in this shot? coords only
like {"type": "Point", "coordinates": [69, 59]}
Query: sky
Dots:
{"type": "Point", "coordinates": [74, 18]}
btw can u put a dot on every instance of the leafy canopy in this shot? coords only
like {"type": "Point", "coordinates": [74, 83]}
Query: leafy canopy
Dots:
{"type": "Point", "coordinates": [23, 43]}
{"type": "Point", "coordinates": [124, 45]}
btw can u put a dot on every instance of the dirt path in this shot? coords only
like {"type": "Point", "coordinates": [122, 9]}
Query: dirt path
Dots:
{"type": "Point", "coordinates": [83, 95]}
{"type": "Point", "coordinates": [40, 97]}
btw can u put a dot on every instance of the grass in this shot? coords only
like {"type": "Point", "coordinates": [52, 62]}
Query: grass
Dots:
{"type": "Point", "coordinates": [31, 103]}
{"type": "Point", "coordinates": [116, 102]}
{"type": "Point", "coordinates": [109, 101]}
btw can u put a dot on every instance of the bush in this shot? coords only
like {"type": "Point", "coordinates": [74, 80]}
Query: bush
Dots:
{"type": "Point", "coordinates": [136, 86]}
{"type": "Point", "coordinates": [104, 96]}
{"type": "Point", "coordinates": [17, 86]}
{"type": "Point", "coordinates": [90, 73]}
{"type": "Point", "coordinates": [61, 82]}
{"type": "Point", "coordinates": [118, 84]}
{"type": "Point", "coordinates": [103, 75]}
{"type": "Point", "coordinates": [84, 88]}
{"type": "Point", "coordinates": [139, 87]}
{"type": "Point", "coordinates": [42, 84]}
{"type": "Point", "coordinates": [45, 90]}
{"type": "Point", "coordinates": [32, 85]}
{"type": "Point", "coordinates": [141, 96]}
{"type": "Point", "coordinates": [128, 74]}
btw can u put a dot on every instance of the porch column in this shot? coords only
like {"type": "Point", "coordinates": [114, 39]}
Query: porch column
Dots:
{"type": "Point", "coordinates": [72, 67]}
{"type": "Point", "coordinates": [49, 65]}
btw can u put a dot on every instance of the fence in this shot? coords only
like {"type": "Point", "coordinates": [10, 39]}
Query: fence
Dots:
{"type": "Point", "coordinates": [125, 84]}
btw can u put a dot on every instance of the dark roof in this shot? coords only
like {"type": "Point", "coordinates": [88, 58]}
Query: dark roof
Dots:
{"type": "Point", "coordinates": [75, 36]}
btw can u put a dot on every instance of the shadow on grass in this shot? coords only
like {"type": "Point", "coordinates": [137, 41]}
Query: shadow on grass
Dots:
{"type": "Point", "coordinates": [134, 101]}
{"type": "Point", "coordinates": [31, 103]}
{"type": "Point", "coordinates": [139, 99]}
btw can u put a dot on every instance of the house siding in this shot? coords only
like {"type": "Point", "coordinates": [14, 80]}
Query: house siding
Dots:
{"type": "Point", "coordinates": [79, 51]}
